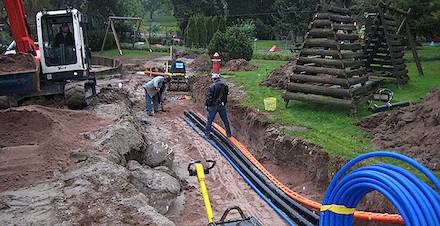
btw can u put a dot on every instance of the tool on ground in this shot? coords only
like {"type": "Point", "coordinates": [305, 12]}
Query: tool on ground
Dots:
{"type": "Point", "coordinates": [199, 171]}
{"type": "Point", "coordinates": [386, 95]}
{"type": "Point", "coordinates": [383, 94]}
{"type": "Point", "coordinates": [161, 99]}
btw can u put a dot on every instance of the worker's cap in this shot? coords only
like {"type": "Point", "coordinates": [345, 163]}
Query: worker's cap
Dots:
{"type": "Point", "coordinates": [64, 25]}
{"type": "Point", "coordinates": [215, 76]}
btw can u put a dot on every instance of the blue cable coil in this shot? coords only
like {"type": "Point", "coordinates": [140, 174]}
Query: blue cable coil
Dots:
{"type": "Point", "coordinates": [417, 203]}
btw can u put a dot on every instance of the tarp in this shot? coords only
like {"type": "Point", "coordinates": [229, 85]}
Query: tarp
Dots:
{"type": "Point", "coordinates": [273, 49]}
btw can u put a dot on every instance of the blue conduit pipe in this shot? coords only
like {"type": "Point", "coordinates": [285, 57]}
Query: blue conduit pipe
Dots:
{"type": "Point", "coordinates": [287, 219]}
{"type": "Point", "coordinates": [417, 203]}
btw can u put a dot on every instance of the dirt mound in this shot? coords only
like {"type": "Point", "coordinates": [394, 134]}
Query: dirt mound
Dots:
{"type": "Point", "coordinates": [180, 53]}
{"type": "Point", "coordinates": [201, 64]}
{"type": "Point", "coordinates": [279, 76]}
{"type": "Point", "coordinates": [413, 131]}
{"type": "Point", "coordinates": [153, 66]}
{"type": "Point", "coordinates": [37, 140]}
{"type": "Point", "coordinates": [16, 62]}
{"type": "Point", "coordinates": [239, 65]}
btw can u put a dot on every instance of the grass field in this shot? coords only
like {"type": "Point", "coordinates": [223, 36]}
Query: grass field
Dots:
{"type": "Point", "coordinates": [331, 127]}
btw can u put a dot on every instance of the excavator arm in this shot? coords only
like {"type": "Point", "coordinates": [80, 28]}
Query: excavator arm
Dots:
{"type": "Point", "coordinates": [17, 21]}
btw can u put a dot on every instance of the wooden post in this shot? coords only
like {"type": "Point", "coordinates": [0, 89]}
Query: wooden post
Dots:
{"type": "Point", "coordinates": [106, 33]}
{"type": "Point", "coordinates": [413, 47]}
{"type": "Point", "coordinates": [116, 36]}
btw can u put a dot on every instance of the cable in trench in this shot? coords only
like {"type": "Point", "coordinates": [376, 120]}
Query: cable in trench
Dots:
{"type": "Point", "coordinates": [294, 210]}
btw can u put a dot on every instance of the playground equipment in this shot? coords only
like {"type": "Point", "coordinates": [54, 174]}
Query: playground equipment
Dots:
{"type": "Point", "coordinates": [330, 64]}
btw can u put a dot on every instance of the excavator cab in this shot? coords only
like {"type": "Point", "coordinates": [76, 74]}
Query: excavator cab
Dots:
{"type": "Point", "coordinates": [65, 55]}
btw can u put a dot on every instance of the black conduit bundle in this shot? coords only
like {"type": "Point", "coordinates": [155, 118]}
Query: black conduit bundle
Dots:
{"type": "Point", "coordinates": [298, 213]}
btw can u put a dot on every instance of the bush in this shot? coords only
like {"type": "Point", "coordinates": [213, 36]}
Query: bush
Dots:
{"type": "Point", "coordinates": [235, 43]}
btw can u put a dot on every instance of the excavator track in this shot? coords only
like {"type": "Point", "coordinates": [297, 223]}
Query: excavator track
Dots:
{"type": "Point", "coordinates": [78, 94]}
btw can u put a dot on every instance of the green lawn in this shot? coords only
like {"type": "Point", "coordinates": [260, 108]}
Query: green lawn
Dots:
{"type": "Point", "coordinates": [128, 53]}
{"type": "Point", "coordinates": [331, 127]}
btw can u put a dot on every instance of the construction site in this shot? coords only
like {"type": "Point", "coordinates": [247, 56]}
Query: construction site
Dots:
{"type": "Point", "coordinates": [89, 153]}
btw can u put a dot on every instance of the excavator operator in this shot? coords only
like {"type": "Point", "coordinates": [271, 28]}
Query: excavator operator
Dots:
{"type": "Point", "coordinates": [64, 36]}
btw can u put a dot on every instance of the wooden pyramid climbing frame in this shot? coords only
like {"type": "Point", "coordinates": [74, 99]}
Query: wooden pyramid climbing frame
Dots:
{"type": "Point", "coordinates": [383, 46]}
{"type": "Point", "coordinates": [329, 69]}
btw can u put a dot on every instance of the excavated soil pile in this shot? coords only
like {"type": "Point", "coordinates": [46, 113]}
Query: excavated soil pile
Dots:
{"type": "Point", "coordinates": [16, 63]}
{"type": "Point", "coordinates": [414, 130]}
{"type": "Point", "coordinates": [279, 77]}
{"type": "Point", "coordinates": [153, 66]}
{"type": "Point", "coordinates": [185, 54]}
{"type": "Point", "coordinates": [37, 140]}
{"type": "Point", "coordinates": [239, 65]}
{"type": "Point", "coordinates": [201, 64]}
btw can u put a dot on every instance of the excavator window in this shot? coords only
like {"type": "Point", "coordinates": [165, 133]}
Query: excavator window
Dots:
{"type": "Point", "coordinates": [59, 41]}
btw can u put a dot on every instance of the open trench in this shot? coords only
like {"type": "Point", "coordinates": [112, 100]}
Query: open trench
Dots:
{"type": "Point", "coordinates": [300, 165]}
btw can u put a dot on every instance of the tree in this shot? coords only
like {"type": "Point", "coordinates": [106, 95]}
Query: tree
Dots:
{"type": "Point", "coordinates": [184, 9]}
{"type": "Point", "coordinates": [154, 5]}
{"type": "Point", "coordinates": [235, 43]}
{"type": "Point", "coordinates": [209, 29]}
{"type": "Point", "coordinates": [222, 24]}
{"type": "Point", "coordinates": [294, 15]}
{"type": "Point", "coordinates": [191, 33]}
{"type": "Point", "coordinates": [202, 31]}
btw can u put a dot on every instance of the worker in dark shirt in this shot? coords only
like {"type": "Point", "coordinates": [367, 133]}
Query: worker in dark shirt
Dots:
{"type": "Point", "coordinates": [216, 99]}
{"type": "Point", "coordinates": [64, 36]}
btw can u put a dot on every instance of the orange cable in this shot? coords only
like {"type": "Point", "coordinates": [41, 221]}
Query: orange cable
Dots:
{"type": "Point", "coordinates": [363, 215]}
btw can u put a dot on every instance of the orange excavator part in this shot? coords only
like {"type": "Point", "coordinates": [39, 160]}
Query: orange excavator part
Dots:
{"type": "Point", "coordinates": [382, 217]}
{"type": "Point", "coordinates": [17, 20]}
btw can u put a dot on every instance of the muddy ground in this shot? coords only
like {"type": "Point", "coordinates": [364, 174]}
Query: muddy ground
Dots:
{"type": "Point", "coordinates": [111, 163]}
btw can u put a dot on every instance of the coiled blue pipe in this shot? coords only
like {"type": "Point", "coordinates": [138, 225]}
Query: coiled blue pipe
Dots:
{"type": "Point", "coordinates": [417, 203]}
{"type": "Point", "coordinates": [290, 222]}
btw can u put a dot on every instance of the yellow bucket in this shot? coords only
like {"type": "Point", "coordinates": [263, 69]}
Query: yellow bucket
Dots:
{"type": "Point", "coordinates": [270, 104]}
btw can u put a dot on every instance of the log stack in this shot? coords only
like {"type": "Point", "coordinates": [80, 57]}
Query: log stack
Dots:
{"type": "Point", "coordinates": [329, 68]}
{"type": "Point", "coordinates": [383, 47]}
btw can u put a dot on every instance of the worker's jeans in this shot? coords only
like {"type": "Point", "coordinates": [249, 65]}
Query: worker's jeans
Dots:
{"type": "Point", "coordinates": [148, 101]}
{"type": "Point", "coordinates": [211, 115]}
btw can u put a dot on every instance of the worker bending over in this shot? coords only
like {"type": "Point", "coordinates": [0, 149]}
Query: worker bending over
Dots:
{"type": "Point", "coordinates": [154, 90]}
{"type": "Point", "coordinates": [216, 100]}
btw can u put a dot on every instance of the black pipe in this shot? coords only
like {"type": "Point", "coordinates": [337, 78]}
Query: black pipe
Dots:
{"type": "Point", "coordinates": [389, 106]}
{"type": "Point", "coordinates": [261, 184]}
{"type": "Point", "coordinates": [310, 215]}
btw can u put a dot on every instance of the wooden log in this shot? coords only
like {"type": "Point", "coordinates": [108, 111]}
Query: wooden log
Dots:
{"type": "Point", "coordinates": [334, 18]}
{"type": "Point", "coordinates": [324, 70]}
{"type": "Point", "coordinates": [318, 99]}
{"type": "Point", "coordinates": [351, 46]}
{"type": "Point", "coordinates": [350, 37]}
{"type": "Point", "coordinates": [388, 61]}
{"type": "Point", "coordinates": [317, 32]}
{"type": "Point", "coordinates": [322, 62]}
{"type": "Point", "coordinates": [318, 90]}
{"type": "Point", "coordinates": [335, 9]}
{"type": "Point", "coordinates": [320, 52]}
{"type": "Point", "coordinates": [330, 62]}
{"type": "Point", "coordinates": [327, 43]}
{"type": "Point", "coordinates": [321, 23]}
{"type": "Point", "coordinates": [335, 81]}
{"type": "Point", "coordinates": [354, 63]}
{"type": "Point", "coordinates": [345, 27]}
{"type": "Point", "coordinates": [348, 55]}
